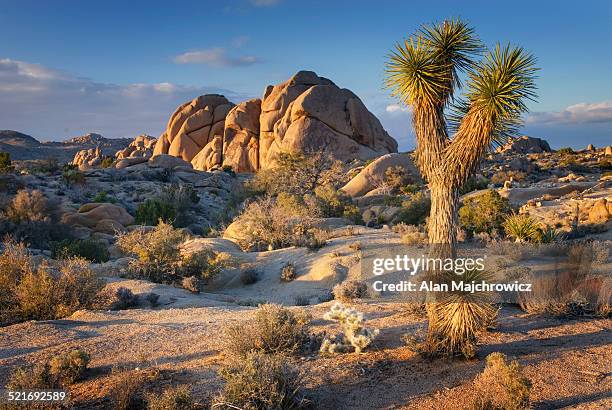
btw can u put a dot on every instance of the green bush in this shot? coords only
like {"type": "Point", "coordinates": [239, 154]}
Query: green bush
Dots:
{"type": "Point", "coordinates": [90, 249]}
{"type": "Point", "coordinates": [473, 184]}
{"type": "Point", "coordinates": [565, 150]}
{"type": "Point", "coordinates": [103, 196]}
{"type": "Point", "coordinates": [414, 210]}
{"type": "Point", "coordinates": [273, 329]}
{"type": "Point", "coordinates": [484, 213]}
{"type": "Point", "coordinates": [261, 381]}
{"type": "Point", "coordinates": [73, 177]}
{"type": "Point", "coordinates": [5, 162]}
{"type": "Point", "coordinates": [152, 211]}
{"type": "Point", "coordinates": [107, 162]}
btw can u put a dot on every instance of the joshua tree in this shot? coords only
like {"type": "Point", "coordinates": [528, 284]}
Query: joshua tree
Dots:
{"type": "Point", "coordinates": [424, 72]}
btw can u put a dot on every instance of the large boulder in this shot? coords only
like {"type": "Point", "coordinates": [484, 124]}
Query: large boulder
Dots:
{"type": "Point", "coordinates": [525, 145]}
{"type": "Point", "coordinates": [168, 162]}
{"type": "Point", "coordinates": [241, 137]}
{"type": "Point", "coordinates": [600, 212]}
{"type": "Point", "coordinates": [100, 216]}
{"type": "Point", "coordinates": [193, 125]}
{"type": "Point", "coordinates": [372, 176]}
{"type": "Point", "coordinates": [309, 112]}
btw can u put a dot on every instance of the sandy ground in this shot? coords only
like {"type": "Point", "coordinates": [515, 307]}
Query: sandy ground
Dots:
{"type": "Point", "coordinates": [568, 361]}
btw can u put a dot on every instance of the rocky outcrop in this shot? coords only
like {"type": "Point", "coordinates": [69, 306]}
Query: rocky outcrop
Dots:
{"type": "Point", "coordinates": [88, 158]}
{"type": "Point", "coordinates": [600, 212]}
{"type": "Point", "coordinates": [608, 151]}
{"type": "Point", "coordinates": [141, 147]}
{"type": "Point", "coordinates": [305, 113]}
{"type": "Point", "coordinates": [100, 217]}
{"type": "Point", "coordinates": [373, 175]}
{"type": "Point", "coordinates": [241, 137]}
{"type": "Point", "coordinates": [193, 125]}
{"type": "Point", "coordinates": [309, 112]}
{"type": "Point", "coordinates": [525, 145]}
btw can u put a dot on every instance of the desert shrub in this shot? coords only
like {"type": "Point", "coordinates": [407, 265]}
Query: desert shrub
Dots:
{"type": "Point", "coordinates": [299, 174]}
{"type": "Point", "coordinates": [353, 214]}
{"type": "Point", "coordinates": [414, 210]}
{"type": "Point", "coordinates": [484, 213]}
{"type": "Point", "coordinates": [396, 178]}
{"type": "Point", "coordinates": [354, 337]}
{"type": "Point", "coordinates": [474, 183]}
{"type": "Point", "coordinates": [107, 162]}
{"type": "Point", "coordinates": [273, 329]}
{"type": "Point", "coordinates": [120, 298]}
{"type": "Point", "coordinates": [288, 272]}
{"type": "Point", "coordinates": [152, 298]}
{"type": "Point", "coordinates": [157, 251]}
{"type": "Point", "coordinates": [266, 225]}
{"type": "Point", "coordinates": [153, 210]}
{"type": "Point", "coordinates": [413, 235]}
{"type": "Point", "coordinates": [52, 292]}
{"type": "Point", "coordinates": [500, 177]}
{"type": "Point", "coordinates": [73, 177]}
{"type": "Point", "coordinates": [410, 189]}
{"type": "Point", "coordinates": [90, 249]}
{"type": "Point", "coordinates": [249, 276]}
{"type": "Point", "coordinates": [261, 381]}
{"type": "Point", "coordinates": [501, 385]}
{"type": "Point", "coordinates": [192, 284]}
{"type": "Point", "coordinates": [330, 201]}
{"type": "Point", "coordinates": [565, 150]}
{"type": "Point", "coordinates": [30, 206]}
{"type": "Point", "coordinates": [5, 162]}
{"type": "Point", "coordinates": [350, 290]}
{"type": "Point", "coordinates": [103, 196]}
{"type": "Point", "coordinates": [182, 198]}
{"type": "Point", "coordinates": [60, 371]}
{"type": "Point", "coordinates": [204, 264]}
{"type": "Point", "coordinates": [172, 398]}
{"type": "Point", "coordinates": [521, 227]}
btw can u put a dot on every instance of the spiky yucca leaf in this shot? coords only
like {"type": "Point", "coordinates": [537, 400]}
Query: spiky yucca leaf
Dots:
{"type": "Point", "coordinates": [415, 75]}
{"type": "Point", "coordinates": [459, 316]}
{"type": "Point", "coordinates": [454, 45]}
{"type": "Point", "coordinates": [521, 227]}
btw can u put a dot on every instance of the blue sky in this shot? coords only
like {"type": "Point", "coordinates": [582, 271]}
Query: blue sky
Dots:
{"type": "Point", "coordinates": [120, 68]}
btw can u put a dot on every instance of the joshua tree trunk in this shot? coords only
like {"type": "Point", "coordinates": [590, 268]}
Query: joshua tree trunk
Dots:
{"type": "Point", "coordinates": [443, 219]}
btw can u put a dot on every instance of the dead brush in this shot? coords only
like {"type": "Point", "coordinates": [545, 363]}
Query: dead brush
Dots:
{"type": "Point", "coordinates": [273, 329]}
{"type": "Point", "coordinates": [501, 385]}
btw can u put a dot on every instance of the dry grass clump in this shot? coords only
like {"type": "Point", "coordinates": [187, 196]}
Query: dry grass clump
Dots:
{"type": "Point", "coordinates": [501, 385]}
{"type": "Point", "coordinates": [288, 272]}
{"type": "Point", "coordinates": [350, 290]}
{"type": "Point", "coordinates": [42, 291]}
{"type": "Point", "coordinates": [60, 371]}
{"type": "Point", "coordinates": [413, 235]}
{"type": "Point", "coordinates": [158, 258]}
{"type": "Point", "coordinates": [273, 329]}
{"type": "Point", "coordinates": [172, 398]}
{"type": "Point", "coordinates": [261, 381]}
{"type": "Point", "coordinates": [355, 337]}
{"type": "Point", "coordinates": [502, 176]}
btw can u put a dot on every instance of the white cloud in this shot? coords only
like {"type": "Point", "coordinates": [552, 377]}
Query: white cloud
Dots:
{"type": "Point", "coordinates": [396, 108]}
{"type": "Point", "coordinates": [216, 57]}
{"type": "Point", "coordinates": [52, 104]}
{"type": "Point", "coordinates": [575, 114]}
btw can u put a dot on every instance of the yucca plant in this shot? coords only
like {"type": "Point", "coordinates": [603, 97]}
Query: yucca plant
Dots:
{"type": "Point", "coordinates": [521, 227]}
{"type": "Point", "coordinates": [424, 73]}
{"type": "Point", "coordinates": [459, 317]}
{"type": "Point", "coordinates": [548, 234]}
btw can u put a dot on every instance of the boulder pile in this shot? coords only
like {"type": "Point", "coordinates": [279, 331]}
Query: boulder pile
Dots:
{"type": "Point", "coordinates": [305, 113]}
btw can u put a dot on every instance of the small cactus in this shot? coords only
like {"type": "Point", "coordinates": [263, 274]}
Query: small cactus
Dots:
{"type": "Point", "coordinates": [355, 337]}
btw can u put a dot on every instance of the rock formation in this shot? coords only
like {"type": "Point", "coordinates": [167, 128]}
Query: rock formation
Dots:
{"type": "Point", "coordinates": [141, 147]}
{"type": "Point", "coordinates": [194, 125]}
{"type": "Point", "coordinates": [305, 113]}
{"type": "Point", "coordinates": [525, 145]}
{"type": "Point", "coordinates": [88, 158]}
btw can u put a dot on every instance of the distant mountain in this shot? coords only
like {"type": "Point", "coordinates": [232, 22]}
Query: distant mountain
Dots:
{"type": "Point", "coordinates": [17, 139]}
{"type": "Point", "coordinates": [24, 147]}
